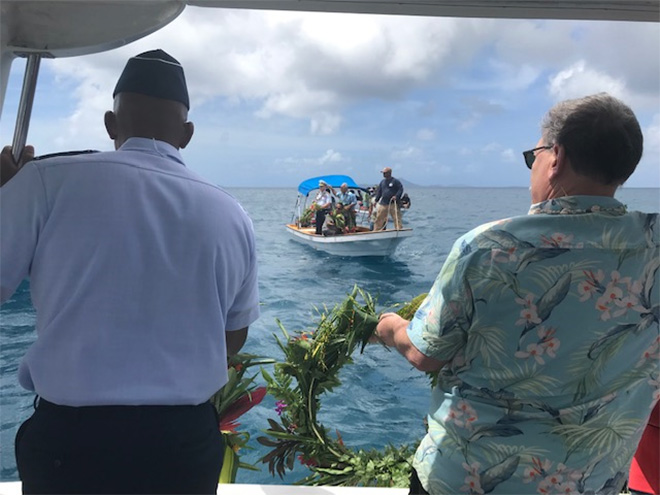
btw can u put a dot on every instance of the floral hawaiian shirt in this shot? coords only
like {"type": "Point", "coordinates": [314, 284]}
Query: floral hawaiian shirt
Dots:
{"type": "Point", "coordinates": [549, 326]}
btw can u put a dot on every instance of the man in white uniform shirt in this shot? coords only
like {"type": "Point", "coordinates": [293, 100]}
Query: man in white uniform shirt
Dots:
{"type": "Point", "coordinates": [144, 280]}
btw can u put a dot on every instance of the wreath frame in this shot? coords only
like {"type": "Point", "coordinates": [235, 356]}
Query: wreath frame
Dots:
{"type": "Point", "coordinates": [310, 369]}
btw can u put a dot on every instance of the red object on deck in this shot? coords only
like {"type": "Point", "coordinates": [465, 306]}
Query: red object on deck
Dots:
{"type": "Point", "coordinates": [645, 467]}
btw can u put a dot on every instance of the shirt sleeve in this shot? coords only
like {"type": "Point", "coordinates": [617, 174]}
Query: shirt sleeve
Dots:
{"type": "Point", "coordinates": [399, 190]}
{"type": "Point", "coordinates": [439, 329]}
{"type": "Point", "coordinates": [245, 308]}
{"type": "Point", "coordinates": [23, 213]}
{"type": "Point", "coordinates": [379, 192]}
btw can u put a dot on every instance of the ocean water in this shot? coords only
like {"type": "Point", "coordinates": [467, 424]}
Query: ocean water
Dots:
{"type": "Point", "coordinates": [382, 400]}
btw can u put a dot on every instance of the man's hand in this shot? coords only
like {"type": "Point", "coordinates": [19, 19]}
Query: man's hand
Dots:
{"type": "Point", "coordinates": [391, 331]}
{"type": "Point", "coordinates": [8, 166]}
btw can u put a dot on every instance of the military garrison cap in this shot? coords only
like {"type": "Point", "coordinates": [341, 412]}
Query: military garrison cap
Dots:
{"type": "Point", "coordinates": [154, 73]}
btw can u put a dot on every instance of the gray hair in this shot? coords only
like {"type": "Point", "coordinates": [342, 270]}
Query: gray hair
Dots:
{"type": "Point", "coordinates": [600, 135]}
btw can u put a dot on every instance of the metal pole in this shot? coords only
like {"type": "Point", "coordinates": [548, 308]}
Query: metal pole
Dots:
{"type": "Point", "coordinates": [25, 105]}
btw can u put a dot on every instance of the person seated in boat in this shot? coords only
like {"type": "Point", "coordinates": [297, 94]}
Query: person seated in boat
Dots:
{"type": "Point", "coordinates": [388, 195]}
{"type": "Point", "coordinates": [543, 328]}
{"type": "Point", "coordinates": [330, 226]}
{"type": "Point", "coordinates": [404, 204]}
{"type": "Point", "coordinates": [346, 205]}
{"type": "Point", "coordinates": [322, 205]}
{"type": "Point", "coordinates": [142, 291]}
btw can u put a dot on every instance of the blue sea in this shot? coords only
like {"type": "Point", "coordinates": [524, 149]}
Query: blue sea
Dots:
{"type": "Point", "coordinates": [382, 400]}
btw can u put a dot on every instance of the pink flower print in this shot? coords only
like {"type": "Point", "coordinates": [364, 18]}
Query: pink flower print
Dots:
{"type": "Point", "coordinates": [547, 340]}
{"type": "Point", "coordinates": [551, 346]}
{"type": "Point", "coordinates": [616, 279]}
{"type": "Point", "coordinates": [468, 413]}
{"type": "Point", "coordinates": [472, 480]}
{"type": "Point", "coordinates": [554, 479]}
{"type": "Point", "coordinates": [602, 305]}
{"type": "Point", "coordinates": [473, 468]}
{"type": "Point", "coordinates": [472, 484]}
{"type": "Point", "coordinates": [586, 289]}
{"type": "Point", "coordinates": [531, 474]}
{"type": "Point", "coordinates": [635, 287]}
{"type": "Point", "coordinates": [630, 302]}
{"type": "Point", "coordinates": [612, 293]}
{"type": "Point", "coordinates": [454, 416]}
{"type": "Point", "coordinates": [504, 255]}
{"type": "Point", "coordinates": [544, 487]}
{"type": "Point", "coordinates": [567, 487]}
{"type": "Point", "coordinates": [561, 240]}
{"type": "Point", "coordinates": [527, 301]}
{"type": "Point", "coordinates": [533, 350]}
{"type": "Point", "coordinates": [528, 315]}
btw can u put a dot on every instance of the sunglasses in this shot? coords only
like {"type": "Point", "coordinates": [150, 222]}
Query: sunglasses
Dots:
{"type": "Point", "coordinates": [530, 156]}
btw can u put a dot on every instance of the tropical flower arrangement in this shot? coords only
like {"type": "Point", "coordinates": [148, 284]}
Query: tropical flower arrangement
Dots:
{"type": "Point", "coordinates": [305, 219]}
{"type": "Point", "coordinates": [239, 395]}
{"type": "Point", "coordinates": [310, 369]}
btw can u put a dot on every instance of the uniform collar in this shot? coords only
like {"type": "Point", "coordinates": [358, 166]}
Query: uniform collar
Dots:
{"type": "Point", "coordinates": [154, 147]}
{"type": "Point", "coordinates": [578, 205]}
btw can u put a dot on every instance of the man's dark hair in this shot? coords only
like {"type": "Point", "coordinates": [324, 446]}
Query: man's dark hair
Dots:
{"type": "Point", "coordinates": [600, 134]}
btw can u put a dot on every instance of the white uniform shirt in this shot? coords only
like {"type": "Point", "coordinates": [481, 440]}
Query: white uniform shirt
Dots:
{"type": "Point", "coordinates": [137, 268]}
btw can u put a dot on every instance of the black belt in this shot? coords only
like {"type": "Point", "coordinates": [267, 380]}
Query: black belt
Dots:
{"type": "Point", "coordinates": [42, 404]}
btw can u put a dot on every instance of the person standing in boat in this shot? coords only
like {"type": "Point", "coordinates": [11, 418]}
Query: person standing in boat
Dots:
{"type": "Point", "coordinates": [543, 328]}
{"type": "Point", "coordinates": [322, 205]}
{"type": "Point", "coordinates": [348, 202]}
{"type": "Point", "coordinates": [388, 196]}
{"type": "Point", "coordinates": [144, 280]}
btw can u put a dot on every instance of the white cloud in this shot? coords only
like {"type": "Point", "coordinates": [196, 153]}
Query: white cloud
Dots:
{"type": "Point", "coordinates": [579, 80]}
{"type": "Point", "coordinates": [330, 156]}
{"type": "Point", "coordinates": [508, 155]}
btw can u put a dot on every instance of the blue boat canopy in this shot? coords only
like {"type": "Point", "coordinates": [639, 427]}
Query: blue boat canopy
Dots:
{"type": "Point", "coordinates": [332, 180]}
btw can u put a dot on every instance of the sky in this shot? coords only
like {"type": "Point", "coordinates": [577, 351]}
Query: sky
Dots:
{"type": "Point", "coordinates": [278, 97]}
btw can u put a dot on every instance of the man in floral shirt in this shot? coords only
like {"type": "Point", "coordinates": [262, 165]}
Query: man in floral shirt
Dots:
{"type": "Point", "coordinates": [544, 327]}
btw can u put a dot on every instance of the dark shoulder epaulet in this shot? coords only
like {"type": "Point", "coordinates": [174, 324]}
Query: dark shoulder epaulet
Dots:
{"type": "Point", "coordinates": [65, 153]}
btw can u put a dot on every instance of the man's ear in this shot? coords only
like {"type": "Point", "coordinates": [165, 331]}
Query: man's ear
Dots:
{"type": "Point", "coordinates": [110, 120]}
{"type": "Point", "coordinates": [560, 161]}
{"type": "Point", "coordinates": [188, 131]}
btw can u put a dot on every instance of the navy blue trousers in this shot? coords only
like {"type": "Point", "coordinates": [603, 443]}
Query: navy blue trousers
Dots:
{"type": "Point", "coordinates": [120, 449]}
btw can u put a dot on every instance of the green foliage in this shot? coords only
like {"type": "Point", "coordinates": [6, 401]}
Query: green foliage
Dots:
{"type": "Point", "coordinates": [312, 361]}
{"type": "Point", "coordinates": [236, 397]}
{"type": "Point", "coordinates": [306, 218]}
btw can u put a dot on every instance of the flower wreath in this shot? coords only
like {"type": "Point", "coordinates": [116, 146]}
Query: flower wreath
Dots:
{"type": "Point", "coordinates": [310, 369]}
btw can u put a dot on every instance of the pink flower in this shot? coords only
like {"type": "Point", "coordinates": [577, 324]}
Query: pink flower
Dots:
{"type": "Point", "coordinates": [504, 255]}
{"type": "Point", "coordinates": [586, 289]}
{"type": "Point", "coordinates": [533, 350]}
{"type": "Point", "coordinates": [280, 405]}
{"type": "Point", "coordinates": [528, 315]}
{"type": "Point", "coordinates": [630, 302]}
{"type": "Point", "coordinates": [472, 485]}
{"type": "Point", "coordinates": [551, 346]}
{"type": "Point", "coordinates": [602, 305]}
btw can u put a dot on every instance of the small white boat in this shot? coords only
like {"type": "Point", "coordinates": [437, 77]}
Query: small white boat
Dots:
{"type": "Point", "coordinates": [360, 242]}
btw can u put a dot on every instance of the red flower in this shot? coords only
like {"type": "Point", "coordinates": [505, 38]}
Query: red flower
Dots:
{"type": "Point", "coordinates": [242, 405]}
{"type": "Point", "coordinates": [307, 462]}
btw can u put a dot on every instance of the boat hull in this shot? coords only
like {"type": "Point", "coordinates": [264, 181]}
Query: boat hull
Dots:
{"type": "Point", "coordinates": [366, 243]}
